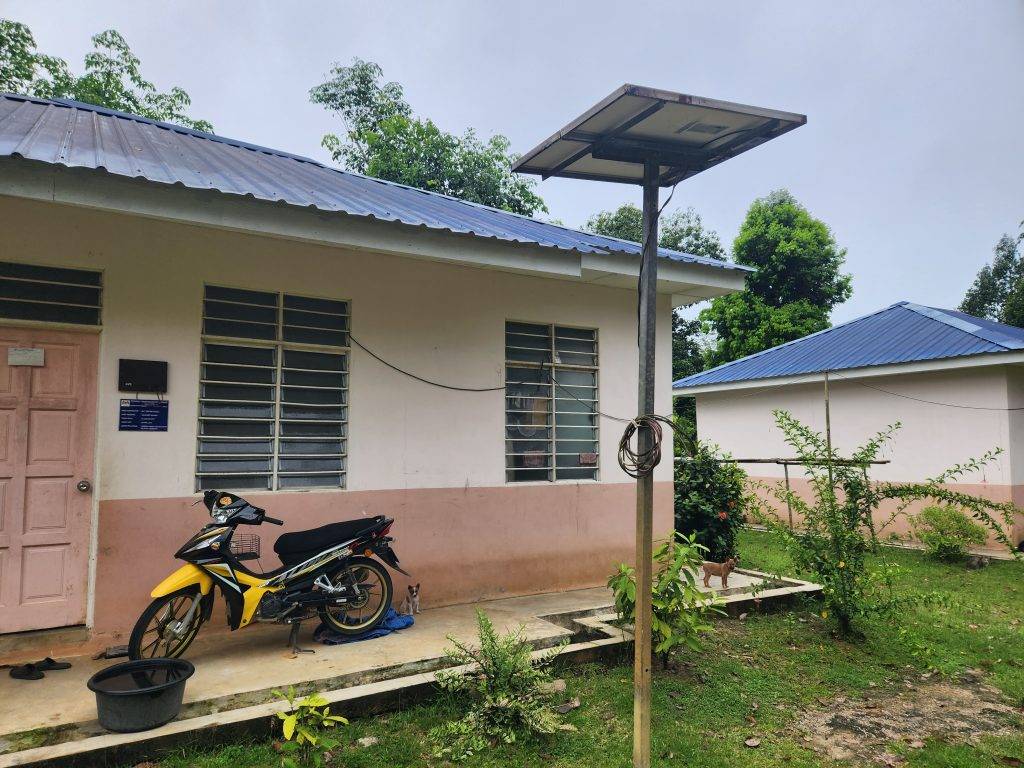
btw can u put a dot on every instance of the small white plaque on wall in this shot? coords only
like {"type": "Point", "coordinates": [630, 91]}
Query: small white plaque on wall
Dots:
{"type": "Point", "coordinates": [33, 356]}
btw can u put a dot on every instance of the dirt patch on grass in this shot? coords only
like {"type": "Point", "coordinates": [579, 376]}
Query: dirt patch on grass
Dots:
{"type": "Point", "coordinates": [960, 710]}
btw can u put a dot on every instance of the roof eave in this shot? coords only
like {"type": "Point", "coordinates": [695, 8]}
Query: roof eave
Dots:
{"type": "Point", "coordinates": [1012, 357]}
{"type": "Point", "coordinates": [100, 190]}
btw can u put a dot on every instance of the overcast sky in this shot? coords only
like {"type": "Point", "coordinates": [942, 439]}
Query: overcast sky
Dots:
{"type": "Point", "coordinates": [913, 152]}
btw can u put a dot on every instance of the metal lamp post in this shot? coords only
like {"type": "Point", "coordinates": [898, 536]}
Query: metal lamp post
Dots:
{"type": "Point", "coordinates": [656, 139]}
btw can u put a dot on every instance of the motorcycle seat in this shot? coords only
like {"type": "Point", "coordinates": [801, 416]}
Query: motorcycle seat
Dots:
{"type": "Point", "coordinates": [295, 547]}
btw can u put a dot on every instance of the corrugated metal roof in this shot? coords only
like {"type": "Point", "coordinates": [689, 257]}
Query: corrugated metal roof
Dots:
{"type": "Point", "coordinates": [86, 136]}
{"type": "Point", "coordinates": [902, 333]}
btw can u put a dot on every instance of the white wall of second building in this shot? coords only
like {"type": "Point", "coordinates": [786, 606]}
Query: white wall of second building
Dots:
{"type": "Point", "coordinates": [931, 439]}
{"type": "Point", "coordinates": [440, 321]}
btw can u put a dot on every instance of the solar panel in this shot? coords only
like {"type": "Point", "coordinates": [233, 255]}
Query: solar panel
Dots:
{"type": "Point", "coordinates": [684, 134]}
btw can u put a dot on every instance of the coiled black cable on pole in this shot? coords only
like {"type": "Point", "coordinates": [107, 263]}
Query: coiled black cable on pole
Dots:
{"type": "Point", "coordinates": [637, 463]}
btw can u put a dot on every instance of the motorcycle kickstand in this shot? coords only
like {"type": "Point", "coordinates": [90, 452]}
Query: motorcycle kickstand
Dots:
{"type": "Point", "coordinates": [293, 640]}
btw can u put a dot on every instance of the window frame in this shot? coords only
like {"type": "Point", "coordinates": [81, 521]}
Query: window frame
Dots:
{"type": "Point", "coordinates": [61, 281]}
{"type": "Point", "coordinates": [278, 346]}
{"type": "Point", "coordinates": [553, 398]}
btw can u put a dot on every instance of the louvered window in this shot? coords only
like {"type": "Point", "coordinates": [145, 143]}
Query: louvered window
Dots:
{"type": "Point", "coordinates": [51, 294]}
{"type": "Point", "coordinates": [273, 402]}
{"type": "Point", "coordinates": [551, 425]}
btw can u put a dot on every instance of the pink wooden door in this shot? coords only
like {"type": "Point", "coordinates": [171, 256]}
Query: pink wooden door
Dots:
{"type": "Point", "coordinates": [47, 428]}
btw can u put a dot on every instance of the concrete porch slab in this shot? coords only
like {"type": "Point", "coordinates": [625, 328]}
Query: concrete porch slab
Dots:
{"type": "Point", "coordinates": [53, 720]}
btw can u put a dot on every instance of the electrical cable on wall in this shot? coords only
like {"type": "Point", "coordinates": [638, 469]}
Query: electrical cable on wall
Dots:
{"type": "Point", "coordinates": [929, 402]}
{"type": "Point", "coordinates": [634, 462]}
{"type": "Point", "coordinates": [394, 367]}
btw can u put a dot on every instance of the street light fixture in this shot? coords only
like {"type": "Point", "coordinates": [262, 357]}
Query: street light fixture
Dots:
{"type": "Point", "coordinates": [656, 139]}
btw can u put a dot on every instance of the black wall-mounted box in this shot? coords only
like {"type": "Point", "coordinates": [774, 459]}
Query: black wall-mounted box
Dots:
{"type": "Point", "coordinates": [142, 376]}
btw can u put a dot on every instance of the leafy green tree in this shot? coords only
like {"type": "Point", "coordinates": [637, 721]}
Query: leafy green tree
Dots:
{"type": "Point", "coordinates": [743, 324]}
{"type": "Point", "coordinates": [358, 96]}
{"type": "Point", "coordinates": [682, 230]}
{"type": "Point", "coordinates": [22, 68]}
{"type": "Point", "coordinates": [112, 77]}
{"type": "Point", "coordinates": [385, 140]}
{"type": "Point", "coordinates": [796, 283]}
{"type": "Point", "coordinates": [998, 291]}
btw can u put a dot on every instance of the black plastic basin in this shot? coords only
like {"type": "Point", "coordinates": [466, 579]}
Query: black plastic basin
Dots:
{"type": "Point", "coordinates": [139, 695]}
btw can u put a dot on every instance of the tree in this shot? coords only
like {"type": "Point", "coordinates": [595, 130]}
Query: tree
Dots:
{"type": "Point", "coordinates": [998, 291]}
{"type": "Point", "coordinates": [743, 323]}
{"type": "Point", "coordinates": [112, 77]}
{"type": "Point", "coordinates": [682, 230]}
{"type": "Point", "coordinates": [796, 283]}
{"type": "Point", "coordinates": [385, 140]}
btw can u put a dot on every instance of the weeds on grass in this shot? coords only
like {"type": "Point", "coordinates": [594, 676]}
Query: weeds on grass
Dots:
{"type": "Point", "coordinates": [306, 729]}
{"type": "Point", "coordinates": [506, 694]}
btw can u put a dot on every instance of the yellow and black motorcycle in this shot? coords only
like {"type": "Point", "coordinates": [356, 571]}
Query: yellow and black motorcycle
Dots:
{"type": "Point", "coordinates": [327, 571]}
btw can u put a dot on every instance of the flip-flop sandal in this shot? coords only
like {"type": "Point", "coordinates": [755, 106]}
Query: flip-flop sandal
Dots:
{"type": "Point", "coordinates": [26, 672]}
{"type": "Point", "coordinates": [49, 664]}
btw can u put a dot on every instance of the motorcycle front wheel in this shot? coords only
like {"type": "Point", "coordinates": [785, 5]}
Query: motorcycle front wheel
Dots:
{"type": "Point", "coordinates": [157, 633]}
{"type": "Point", "coordinates": [369, 609]}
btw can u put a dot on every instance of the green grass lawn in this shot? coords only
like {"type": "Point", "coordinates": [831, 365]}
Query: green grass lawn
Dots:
{"type": "Point", "coordinates": [753, 678]}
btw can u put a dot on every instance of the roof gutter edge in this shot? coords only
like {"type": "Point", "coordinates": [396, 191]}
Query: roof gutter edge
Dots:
{"type": "Point", "coordinates": [981, 360]}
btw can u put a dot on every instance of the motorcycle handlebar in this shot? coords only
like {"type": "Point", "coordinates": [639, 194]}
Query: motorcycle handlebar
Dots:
{"type": "Point", "coordinates": [272, 520]}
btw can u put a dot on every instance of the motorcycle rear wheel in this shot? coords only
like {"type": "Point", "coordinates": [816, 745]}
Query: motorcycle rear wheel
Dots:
{"type": "Point", "coordinates": [374, 582]}
{"type": "Point", "coordinates": [151, 637]}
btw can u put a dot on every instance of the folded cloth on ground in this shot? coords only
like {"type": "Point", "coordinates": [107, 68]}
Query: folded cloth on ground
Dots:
{"type": "Point", "coordinates": [393, 621]}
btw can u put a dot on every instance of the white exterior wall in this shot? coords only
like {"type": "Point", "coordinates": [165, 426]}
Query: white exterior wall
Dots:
{"type": "Point", "coordinates": [440, 321]}
{"type": "Point", "coordinates": [931, 439]}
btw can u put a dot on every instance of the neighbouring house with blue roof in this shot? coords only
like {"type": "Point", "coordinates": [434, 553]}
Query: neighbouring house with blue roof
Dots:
{"type": "Point", "coordinates": [270, 299]}
{"type": "Point", "coordinates": [955, 383]}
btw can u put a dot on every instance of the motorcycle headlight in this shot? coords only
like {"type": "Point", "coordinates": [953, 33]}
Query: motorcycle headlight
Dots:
{"type": "Point", "coordinates": [219, 517]}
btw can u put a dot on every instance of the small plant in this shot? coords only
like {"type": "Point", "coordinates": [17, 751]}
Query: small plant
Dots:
{"type": "Point", "coordinates": [946, 532]}
{"type": "Point", "coordinates": [839, 529]}
{"type": "Point", "coordinates": [507, 692]}
{"type": "Point", "coordinates": [710, 500]}
{"type": "Point", "coordinates": [680, 610]}
{"type": "Point", "coordinates": [305, 729]}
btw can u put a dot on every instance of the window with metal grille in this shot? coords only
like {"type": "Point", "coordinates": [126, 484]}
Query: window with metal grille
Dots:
{"type": "Point", "coordinates": [51, 294]}
{"type": "Point", "coordinates": [551, 426]}
{"type": "Point", "coordinates": [273, 392]}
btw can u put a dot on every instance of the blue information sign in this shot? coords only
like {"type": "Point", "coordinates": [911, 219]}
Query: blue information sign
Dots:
{"type": "Point", "coordinates": [143, 416]}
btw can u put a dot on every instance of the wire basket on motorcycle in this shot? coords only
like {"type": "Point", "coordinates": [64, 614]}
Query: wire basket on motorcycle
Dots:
{"type": "Point", "coordinates": [245, 546]}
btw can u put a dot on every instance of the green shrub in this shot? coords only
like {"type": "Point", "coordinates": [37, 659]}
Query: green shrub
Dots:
{"type": "Point", "coordinates": [305, 727]}
{"type": "Point", "coordinates": [507, 694]}
{"type": "Point", "coordinates": [946, 532]}
{"type": "Point", "coordinates": [710, 501]}
{"type": "Point", "coordinates": [839, 529]}
{"type": "Point", "coordinates": [680, 610]}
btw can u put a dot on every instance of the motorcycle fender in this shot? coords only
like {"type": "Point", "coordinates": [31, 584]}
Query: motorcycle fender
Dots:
{"type": "Point", "coordinates": [186, 576]}
{"type": "Point", "coordinates": [387, 554]}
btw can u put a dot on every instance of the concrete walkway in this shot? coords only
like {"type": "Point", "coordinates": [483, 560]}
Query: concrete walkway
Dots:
{"type": "Point", "coordinates": [236, 673]}
{"type": "Point", "coordinates": [256, 659]}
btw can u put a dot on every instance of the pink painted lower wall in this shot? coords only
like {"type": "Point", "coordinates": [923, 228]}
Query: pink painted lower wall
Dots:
{"type": "Point", "coordinates": [462, 544]}
{"type": "Point", "coordinates": [802, 487]}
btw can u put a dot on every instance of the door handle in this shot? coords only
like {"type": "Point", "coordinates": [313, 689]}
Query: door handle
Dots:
{"type": "Point", "coordinates": [84, 486]}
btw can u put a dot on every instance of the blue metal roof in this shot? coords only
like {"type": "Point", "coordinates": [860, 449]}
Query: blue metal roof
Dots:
{"type": "Point", "coordinates": [902, 333]}
{"type": "Point", "coordinates": [81, 135]}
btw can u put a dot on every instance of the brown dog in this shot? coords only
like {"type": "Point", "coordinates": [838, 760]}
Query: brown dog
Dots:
{"type": "Point", "coordinates": [719, 569]}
